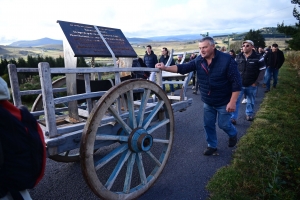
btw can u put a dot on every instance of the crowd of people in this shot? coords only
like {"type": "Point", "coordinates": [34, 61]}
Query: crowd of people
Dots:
{"type": "Point", "coordinates": [226, 79]}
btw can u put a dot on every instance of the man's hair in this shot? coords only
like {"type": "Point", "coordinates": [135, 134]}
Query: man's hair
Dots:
{"type": "Point", "coordinates": [149, 46]}
{"type": "Point", "coordinates": [209, 39]}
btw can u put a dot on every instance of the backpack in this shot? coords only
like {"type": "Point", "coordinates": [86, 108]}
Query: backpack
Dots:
{"type": "Point", "coordinates": [22, 151]}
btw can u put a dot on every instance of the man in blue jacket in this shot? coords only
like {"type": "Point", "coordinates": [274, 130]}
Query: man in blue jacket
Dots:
{"type": "Point", "coordinates": [220, 85]}
{"type": "Point", "coordinates": [150, 59]}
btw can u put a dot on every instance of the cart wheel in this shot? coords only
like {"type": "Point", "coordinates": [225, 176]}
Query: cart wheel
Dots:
{"type": "Point", "coordinates": [128, 168]}
{"type": "Point", "coordinates": [38, 103]}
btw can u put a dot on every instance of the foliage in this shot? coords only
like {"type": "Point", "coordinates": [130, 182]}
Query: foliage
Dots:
{"type": "Point", "coordinates": [256, 37]}
{"type": "Point", "coordinates": [293, 59]}
{"type": "Point", "coordinates": [32, 62]}
{"type": "Point", "coordinates": [293, 31]}
{"type": "Point", "coordinates": [236, 46]}
{"type": "Point", "coordinates": [266, 161]}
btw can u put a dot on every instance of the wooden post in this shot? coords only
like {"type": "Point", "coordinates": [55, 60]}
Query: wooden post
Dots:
{"type": "Point", "coordinates": [14, 83]}
{"type": "Point", "coordinates": [71, 62]}
{"type": "Point", "coordinates": [48, 101]}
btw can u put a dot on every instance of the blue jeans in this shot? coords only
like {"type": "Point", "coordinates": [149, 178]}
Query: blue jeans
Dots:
{"type": "Point", "coordinates": [265, 78]}
{"type": "Point", "coordinates": [250, 93]}
{"type": "Point", "coordinates": [210, 116]}
{"type": "Point", "coordinates": [271, 72]}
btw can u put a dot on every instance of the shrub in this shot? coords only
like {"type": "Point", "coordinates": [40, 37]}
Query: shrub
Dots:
{"type": "Point", "coordinates": [292, 58]}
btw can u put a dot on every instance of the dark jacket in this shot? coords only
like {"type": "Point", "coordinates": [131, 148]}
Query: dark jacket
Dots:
{"type": "Point", "coordinates": [274, 59]}
{"type": "Point", "coordinates": [150, 60]}
{"type": "Point", "coordinates": [165, 60]}
{"type": "Point", "coordinates": [250, 68]}
{"type": "Point", "coordinates": [218, 80]}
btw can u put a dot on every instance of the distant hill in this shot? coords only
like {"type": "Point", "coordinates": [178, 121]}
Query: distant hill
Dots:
{"type": "Point", "coordinates": [138, 40]}
{"type": "Point", "coordinates": [176, 37]}
{"type": "Point", "coordinates": [36, 43]}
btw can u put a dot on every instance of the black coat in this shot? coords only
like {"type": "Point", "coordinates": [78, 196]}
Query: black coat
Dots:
{"type": "Point", "coordinates": [249, 68]}
{"type": "Point", "coordinates": [274, 60]}
{"type": "Point", "coordinates": [165, 60]}
{"type": "Point", "coordinates": [150, 60]}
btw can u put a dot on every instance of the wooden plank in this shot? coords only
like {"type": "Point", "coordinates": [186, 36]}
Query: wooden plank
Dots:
{"type": "Point", "coordinates": [15, 89]}
{"type": "Point", "coordinates": [83, 70]}
{"type": "Point", "coordinates": [48, 101]}
{"type": "Point", "coordinates": [88, 90]}
{"type": "Point", "coordinates": [78, 97]}
{"type": "Point", "coordinates": [30, 92]}
{"type": "Point", "coordinates": [27, 70]}
{"type": "Point", "coordinates": [100, 69]}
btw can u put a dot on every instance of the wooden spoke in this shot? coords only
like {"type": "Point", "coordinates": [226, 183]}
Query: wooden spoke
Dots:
{"type": "Point", "coordinates": [144, 101]}
{"type": "Point", "coordinates": [148, 120]}
{"type": "Point", "coordinates": [117, 169]}
{"type": "Point", "coordinates": [140, 165]}
{"type": "Point", "coordinates": [157, 125]}
{"type": "Point", "coordinates": [110, 156]}
{"type": "Point", "coordinates": [129, 171]}
{"type": "Point", "coordinates": [130, 105]}
{"type": "Point", "coordinates": [154, 158]}
{"type": "Point", "coordinates": [112, 137]}
{"type": "Point", "coordinates": [119, 119]}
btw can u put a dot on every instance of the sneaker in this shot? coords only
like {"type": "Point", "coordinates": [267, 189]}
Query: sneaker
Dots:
{"type": "Point", "coordinates": [193, 87]}
{"type": "Point", "coordinates": [232, 141]}
{"type": "Point", "coordinates": [209, 151]}
{"type": "Point", "coordinates": [233, 121]}
{"type": "Point", "coordinates": [274, 86]}
{"type": "Point", "coordinates": [244, 101]}
{"type": "Point", "coordinates": [249, 118]}
{"type": "Point", "coordinates": [195, 92]}
{"type": "Point", "coordinates": [267, 91]}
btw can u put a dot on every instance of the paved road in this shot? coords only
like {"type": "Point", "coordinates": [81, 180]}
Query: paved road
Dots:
{"type": "Point", "coordinates": [184, 176]}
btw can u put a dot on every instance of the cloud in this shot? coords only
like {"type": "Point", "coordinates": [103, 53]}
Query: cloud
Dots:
{"type": "Point", "coordinates": [33, 19]}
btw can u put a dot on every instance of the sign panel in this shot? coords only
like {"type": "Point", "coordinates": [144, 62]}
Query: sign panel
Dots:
{"type": "Point", "coordinates": [86, 42]}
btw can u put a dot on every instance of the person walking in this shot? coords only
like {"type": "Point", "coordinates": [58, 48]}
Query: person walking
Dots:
{"type": "Point", "coordinates": [250, 64]}
{"type": "Point", "coordinates": [164, 59]}
{"type": "Point", "coordinates": [220, 85]}
{"type": "Point", "coordinates": [274, 60]}
{"type": "Point", "coordinates": [150, 59]}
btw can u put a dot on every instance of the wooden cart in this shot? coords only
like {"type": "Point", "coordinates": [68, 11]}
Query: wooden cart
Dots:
{"type": "Point", "coordinates": [122, 140]}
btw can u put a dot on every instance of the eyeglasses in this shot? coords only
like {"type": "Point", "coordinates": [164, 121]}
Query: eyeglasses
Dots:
{"type": "Point", "coordinates": [247, 45]}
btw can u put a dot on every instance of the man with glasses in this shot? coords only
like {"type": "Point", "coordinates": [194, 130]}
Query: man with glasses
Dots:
{"type": "Point", "coordinates": [250, 64]}
{"type": "Point", "coordinates": [220, 85]}
{"type": "Point", "coordinates": [274, 60]}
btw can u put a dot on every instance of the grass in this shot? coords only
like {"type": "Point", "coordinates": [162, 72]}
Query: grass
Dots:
{"type": "Point", "coordinates": [266, 164]}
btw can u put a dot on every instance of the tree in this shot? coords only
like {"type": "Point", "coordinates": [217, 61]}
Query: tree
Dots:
{"type": "Point", "coordinates": [293, 31]}
{"type": "Point", "coordinates": [236, 46]}
{"type": "Point", "coordinates": [256, 37]}
{"type": "Point", "coordinates": [3, 66]}
{"type": "Point", "coordinates": [81, 62]}
{"type": "Point", "coordinates": [60, 62]}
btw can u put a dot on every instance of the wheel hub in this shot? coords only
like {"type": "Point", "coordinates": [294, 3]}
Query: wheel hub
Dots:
{"type": "Point", "coordinates": [140, 140]}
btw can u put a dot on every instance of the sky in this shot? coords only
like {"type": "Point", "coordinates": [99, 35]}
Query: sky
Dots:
{"type": "Point", "coordinates": [36, 19]}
